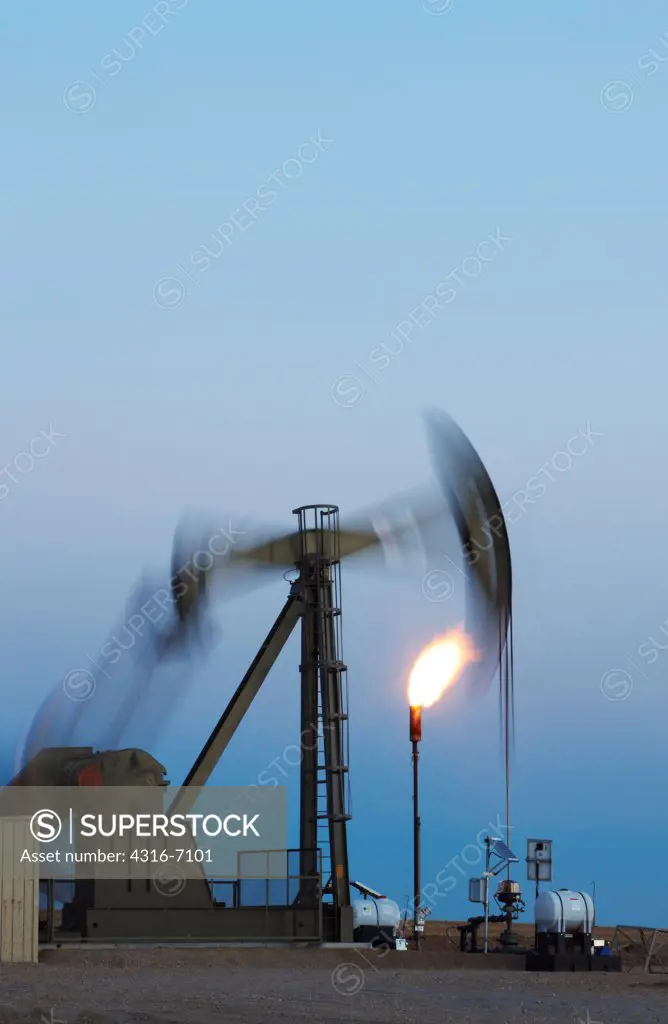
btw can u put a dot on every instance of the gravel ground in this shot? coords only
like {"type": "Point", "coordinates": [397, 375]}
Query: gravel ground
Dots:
{"type": "Point", "coordinates": [189, 993]}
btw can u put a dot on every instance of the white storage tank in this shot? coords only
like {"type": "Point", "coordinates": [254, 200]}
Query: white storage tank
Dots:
{"type": "Point", "coordinates": [372, 917]}
{"type": "Point", "coordinates": [564, 912]}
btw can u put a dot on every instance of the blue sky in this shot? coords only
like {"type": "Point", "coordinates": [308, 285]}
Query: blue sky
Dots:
{"type": "Point", "coordinates": [443, 129]}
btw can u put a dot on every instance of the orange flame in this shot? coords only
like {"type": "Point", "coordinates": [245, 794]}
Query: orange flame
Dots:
{"type": "Point", "coordinates": [439, 665]}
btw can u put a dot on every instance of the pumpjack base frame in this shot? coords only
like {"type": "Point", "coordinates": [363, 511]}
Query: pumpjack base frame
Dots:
{"type": "Point", "coordinates": [318, 923]}
{"type": "Point", "coordinates": [138, 911]}
{"type": "Point", "coordinates": [241, 924]}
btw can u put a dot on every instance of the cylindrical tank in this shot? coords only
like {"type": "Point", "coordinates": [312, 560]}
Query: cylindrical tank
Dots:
{"type": "Point", "coordinates": [564, 912]}
{"type": "Point", "coordinates": [382, 914]}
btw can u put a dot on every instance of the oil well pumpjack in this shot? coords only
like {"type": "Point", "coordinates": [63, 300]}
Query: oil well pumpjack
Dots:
{"type": "Point", "coordinates": [306, 909]}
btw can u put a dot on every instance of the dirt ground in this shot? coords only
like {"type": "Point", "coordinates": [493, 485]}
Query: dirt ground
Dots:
{"type": "Point", "coordinates": [243, 985]}
{"type": "Point", "coordinates": [256, 986]}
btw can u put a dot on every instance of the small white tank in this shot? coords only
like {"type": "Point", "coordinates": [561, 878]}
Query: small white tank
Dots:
{"type": "Point", "coordinates": [564, 912]}
{"type": "Point", "coordinates": [379, 914]}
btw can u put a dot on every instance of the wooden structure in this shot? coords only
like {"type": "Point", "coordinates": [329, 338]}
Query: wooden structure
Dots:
{"type": "Point", "coordinates": [19, 893]}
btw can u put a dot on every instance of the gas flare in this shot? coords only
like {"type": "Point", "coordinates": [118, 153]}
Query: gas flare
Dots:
{"type": "Point", "coordinates": [439, 665]}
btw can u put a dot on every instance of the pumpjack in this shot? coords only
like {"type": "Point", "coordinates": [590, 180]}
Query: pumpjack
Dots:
{"type": "Point", "coordinates": [315, 904]}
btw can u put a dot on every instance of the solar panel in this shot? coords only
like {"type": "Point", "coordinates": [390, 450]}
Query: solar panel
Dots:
{"type": "Point", "coordinates": [503, 851]}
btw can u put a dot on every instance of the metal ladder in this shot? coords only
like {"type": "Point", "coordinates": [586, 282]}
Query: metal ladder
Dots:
{"type": "Point", "coordinates": [333, 779]}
